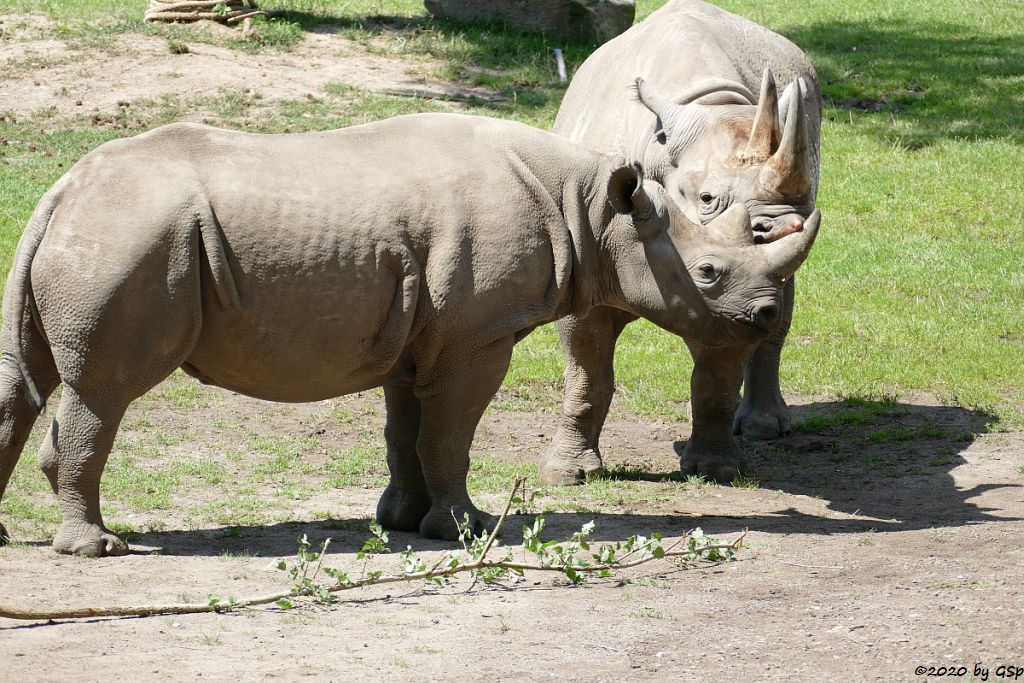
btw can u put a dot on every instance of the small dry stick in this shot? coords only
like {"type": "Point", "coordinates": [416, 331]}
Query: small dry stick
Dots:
{"type": "Point", "coordinates": [432, 573]}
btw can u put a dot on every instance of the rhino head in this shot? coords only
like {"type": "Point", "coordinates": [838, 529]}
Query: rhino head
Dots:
{"type": "Point", "coordinates": [711, 283]}
{"type": "Point", "coordinates": [714, 150]}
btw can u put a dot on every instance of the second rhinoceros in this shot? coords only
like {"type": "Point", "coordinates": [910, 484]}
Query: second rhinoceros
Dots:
{"type": "Point", "coordinates": [705, 121]}
{"type": "Point", "coordinates": [411, 254]}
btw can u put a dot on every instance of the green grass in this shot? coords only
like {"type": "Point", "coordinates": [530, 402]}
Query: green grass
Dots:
{"type": "Point", "coordinates": [915, 283]}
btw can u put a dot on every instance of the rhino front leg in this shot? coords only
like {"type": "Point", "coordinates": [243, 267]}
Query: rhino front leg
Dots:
{"type": "Point", "coordinates": [448, 420]}
{"type": "Point", "coordinates": [715, 384]}
{"type": "Point", "coordinates": [589, 346]}
{"type": "Point", "coordinates": [406, 500]}
{"type": "Point", "coordinates": [763, 413]}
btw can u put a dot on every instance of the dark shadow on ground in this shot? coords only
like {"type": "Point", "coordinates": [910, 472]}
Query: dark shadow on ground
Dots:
{"type": "Point", "coordinates": [946, 79]}
{"type": "Point", "coordinates": [884, 460]}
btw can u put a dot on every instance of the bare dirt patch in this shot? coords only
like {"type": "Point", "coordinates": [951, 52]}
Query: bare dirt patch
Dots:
{"type": "Point", "coordinates": [851, 567]}
{"type": "Point", "coordinates": [98, 74]}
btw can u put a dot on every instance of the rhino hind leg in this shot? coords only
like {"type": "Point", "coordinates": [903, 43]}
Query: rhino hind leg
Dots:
{"type": "Point", "coordinates": [762, 412]}
{"type": "Point", "coordinates": [589, 346]}
{"type": "Point", "coordinates": [406, 500]}
{"type": "Point", "coordinates": [448, 421]}
{"type": "Point", "coordinates": [73, 455]}
{"type": "Point", "coordinates": [17, 415]}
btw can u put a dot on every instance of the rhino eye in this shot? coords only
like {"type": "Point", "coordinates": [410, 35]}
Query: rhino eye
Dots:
{"type": "Point", "coordinates": [710, 205]}
{"type": "Point", "coordinates": [707, 272]}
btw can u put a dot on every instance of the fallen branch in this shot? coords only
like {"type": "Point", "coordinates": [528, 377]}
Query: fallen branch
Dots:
{"type": "Point", "coordinates": [564, 560]}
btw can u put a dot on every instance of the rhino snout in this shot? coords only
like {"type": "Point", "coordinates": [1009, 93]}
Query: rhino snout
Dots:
{"type": "Point", "coordinates": [764, 313]}
{"type": "Point", "coordinates": [768, 230]}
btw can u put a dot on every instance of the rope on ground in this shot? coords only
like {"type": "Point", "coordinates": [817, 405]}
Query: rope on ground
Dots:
{"type": "Point", "coordinates": [225, 11]}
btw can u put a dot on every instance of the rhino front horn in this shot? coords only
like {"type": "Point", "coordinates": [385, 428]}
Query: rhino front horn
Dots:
{"type": "Point", "coordinates": [791, 163]}
{"type": "Point", "coordinates": [787, 254]}
{"type": "Point", "coordinates": [766, 132]}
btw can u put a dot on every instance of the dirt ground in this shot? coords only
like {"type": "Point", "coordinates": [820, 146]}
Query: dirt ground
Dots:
{"type": "Point", "coordinates": [876, 548]}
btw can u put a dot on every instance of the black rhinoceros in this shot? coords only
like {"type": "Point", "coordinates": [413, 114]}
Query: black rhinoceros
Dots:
{"type": "Point", "coordinates": [694, 123]}
{"type": "Point", "coordinates": [411, 254]}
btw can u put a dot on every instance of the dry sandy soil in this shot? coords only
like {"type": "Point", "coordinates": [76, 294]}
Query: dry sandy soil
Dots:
{"type": "Point", "coordinates": [867, 556]}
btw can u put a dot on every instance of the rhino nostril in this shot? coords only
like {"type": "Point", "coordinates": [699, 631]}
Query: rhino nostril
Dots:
{"type": "Point", "coordinates": [767, 315]}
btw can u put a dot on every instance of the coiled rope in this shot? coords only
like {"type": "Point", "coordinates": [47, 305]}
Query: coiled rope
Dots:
{"type": "Point", "coordinates": [226, 11]}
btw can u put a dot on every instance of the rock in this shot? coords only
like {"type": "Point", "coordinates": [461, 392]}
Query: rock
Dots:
{"type": "Point", "coordinates": [594, 20]}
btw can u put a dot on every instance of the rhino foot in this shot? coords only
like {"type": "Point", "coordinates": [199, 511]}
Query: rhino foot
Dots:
{"type": "Point", "coordinates": [567, 469]}
{"type": "Point", "coordinates": [720, 465]}
{"type": "Point", "coordinates": [762, 422]}
{"type": "Point", "coordinates": [88, 540]}
{"type": "Point", "coordinates": [5, 537]}
{"type": "Point", "coordinates": [402, 509]}
{"type": "Point", "coordinates": [440, 522]}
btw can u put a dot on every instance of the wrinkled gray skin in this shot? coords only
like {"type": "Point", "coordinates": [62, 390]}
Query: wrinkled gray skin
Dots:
{"type": "Point", "coordinates": [410, 254]}
{"type": "Point", "coordinates": [704, 120]}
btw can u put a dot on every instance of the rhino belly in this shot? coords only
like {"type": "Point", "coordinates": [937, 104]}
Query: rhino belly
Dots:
{"type": "Point", "coordinates": [299, 344]}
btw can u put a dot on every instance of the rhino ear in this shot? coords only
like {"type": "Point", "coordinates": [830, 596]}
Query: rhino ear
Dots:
{"type": "Point", "coordinates": [627, 195]}
{"type": "Point", "coordinates": [623, 184]}
{"type": "Point", "coordinates": [674, 121]}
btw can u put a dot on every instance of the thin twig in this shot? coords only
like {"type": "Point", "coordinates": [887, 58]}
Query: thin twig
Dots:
{"type": "Point", "coordinates": [434, 572]}
{"type": "Point", "coordinates": [815, 566]}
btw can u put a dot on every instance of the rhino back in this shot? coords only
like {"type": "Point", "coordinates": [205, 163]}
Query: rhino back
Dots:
{"type": "Point", "coordinates": [674, 49]}
{"type": "Point", "coordinates": [355, 254]}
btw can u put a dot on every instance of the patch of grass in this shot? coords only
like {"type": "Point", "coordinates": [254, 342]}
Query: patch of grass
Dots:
{"type": "Point", "coordinates": [272, 32]}
{"type": "Point", "coordinates": [745, 482]}
{"type": "Point", "coordinates": [913, 286]}
{"type": "Point", "coordinates": [853, 410]}
{"type": "Point", "coordinates": [927, 431]}
{"type": "Point", "coordinates": [237, 510]}
{"type": "Point", "coordinates": [867, 538]}
{"type": "Point", "coordinates": [288, 455]}
{"type": "Point", "coordinates": [183, 391]}
{"type": "Point", "coordinates": [23, 509]}
{"type": "Point", "coordinates": [493, 476]}
{"type": "Point", "coordinates": [361, 465]}
{"type": "Point", "coordinates": [899, 190]}
{"type": "Point", "coordinates": [645, 612]}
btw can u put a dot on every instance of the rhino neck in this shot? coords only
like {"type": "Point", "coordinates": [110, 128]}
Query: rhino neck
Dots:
{"type": "Point", "coordinates": [589, 217]}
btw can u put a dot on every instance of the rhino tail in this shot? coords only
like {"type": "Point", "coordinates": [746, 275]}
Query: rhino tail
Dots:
{"type": "Point", "coordinates": [19, 297]}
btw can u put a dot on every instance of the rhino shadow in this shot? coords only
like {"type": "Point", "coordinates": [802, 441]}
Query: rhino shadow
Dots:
{"type": "Point", "coordinates": [942, 79]}
{"type": "Point", "coordinates": [347, 536]}
{"type": "Point", "coordinates": [882, 460]}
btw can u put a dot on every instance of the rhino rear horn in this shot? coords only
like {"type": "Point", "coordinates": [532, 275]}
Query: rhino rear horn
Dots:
{"type": "Point", "coordinates": [733, 226]}
{"type": "Point", "coordinates": [766, 132]}
{"type": "Point", "coordinates": [787, 254]}
{"type": "Point", "coordinates": [791, 162]}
